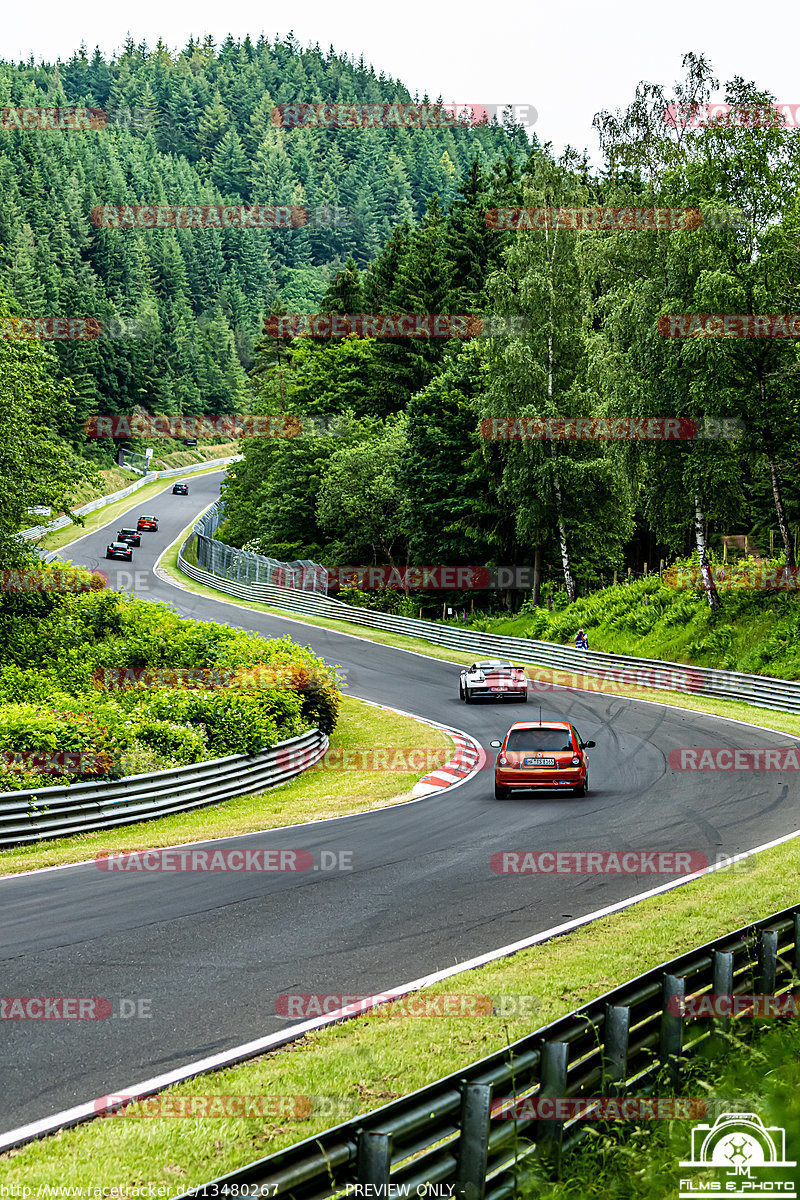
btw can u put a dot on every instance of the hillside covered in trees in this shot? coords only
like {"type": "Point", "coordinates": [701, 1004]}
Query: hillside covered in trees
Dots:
{"type": "Point", "coordinates": [182, 308]}
{"type": "Point", "coordinates": [412, 476]}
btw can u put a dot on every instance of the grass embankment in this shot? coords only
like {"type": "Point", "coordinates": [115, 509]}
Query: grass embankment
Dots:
{"type": "Point", "coordinates": [359, 1064]}
{"type": "Point", "coordinates": [203, 453]}
{"type": "Point", "coordinates": [319, 793]}
{"type": "Point", "coordinates": [756, 630]}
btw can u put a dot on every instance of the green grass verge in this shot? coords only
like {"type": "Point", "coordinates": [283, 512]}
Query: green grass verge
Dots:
{"type": "Point", "coordinates": [358, 1065]}
{"type": "Point", "coordinates": [317, 794]}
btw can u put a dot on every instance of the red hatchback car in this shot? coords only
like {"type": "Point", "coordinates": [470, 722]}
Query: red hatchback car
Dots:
{"type": "Point", "coordinates": [541, 754]}
{"type": "Point", "coordinates": [148, 523]}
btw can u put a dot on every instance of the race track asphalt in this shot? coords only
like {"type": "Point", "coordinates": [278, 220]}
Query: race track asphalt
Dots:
{"type": "Point", "coordinates": [212, 952]}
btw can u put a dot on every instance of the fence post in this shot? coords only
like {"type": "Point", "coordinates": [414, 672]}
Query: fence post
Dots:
{"type": "Point", "coordinates": [723, 982]}
{"type": "Point", "coordinates": [615, 1045]}
{"type": "Point", "coordinates": [671, 1042]}
{"type": "Point", "coordinates": [767, 961]}
{"type": "Point", "coordinates": [797, 944]}
{"type": "Point", "coordinates": [473, 1143]}
{"type": "Point", "coordinates": [374, 1155]}
{"type": "Point", "coordinates": [554, 1083]}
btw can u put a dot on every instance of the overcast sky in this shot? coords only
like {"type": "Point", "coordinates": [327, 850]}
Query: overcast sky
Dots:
{"type": "Point", "coordinates": [567, 58]}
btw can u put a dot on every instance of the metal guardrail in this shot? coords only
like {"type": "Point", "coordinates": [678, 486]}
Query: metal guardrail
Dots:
{"type": "Point", "coordinates": [35, 531]}
{"type": "Point", "coordinates": [617, 670]}
{"type": "Point", "coordinates": [29, 816]}
{"type": "Point", "coordinates": [624, 1043]}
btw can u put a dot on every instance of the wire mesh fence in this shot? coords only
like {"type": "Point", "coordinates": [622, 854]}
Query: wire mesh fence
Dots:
{"type": "Point", "coordinates": [245, 566]}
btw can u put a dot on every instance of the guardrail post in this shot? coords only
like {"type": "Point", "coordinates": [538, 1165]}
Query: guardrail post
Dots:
{"type": "Point", "coordinates": [671, 1041]}
{"type": "Point", "coordinates": [554, 1083]}
{"type": "Point", "coordinates": [615, 1046]}
{"type": "Point", "coordinates": [767, 961]}
{"type": "Point", "coordinates": [374, 1156]}
{"type": "Point", "coordinates": [723, 982]}
{"type": "Point", "coordinates": [473, 1144]}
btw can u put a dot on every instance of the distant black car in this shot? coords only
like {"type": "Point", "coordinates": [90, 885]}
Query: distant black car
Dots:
{"type": "Point", "coordinates": [180, 489]}
{"type": "Point", "coordinates": [190, 442]}
{"type": "Point", "coordinates": [119, 550]}
{"type": "Point", "coordinates": [131, 536]}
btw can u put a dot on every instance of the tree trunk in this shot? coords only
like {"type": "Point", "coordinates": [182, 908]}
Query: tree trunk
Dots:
{"type": "Point", "coordinates": [780, 509]}
{"type": "Point", "coordinates": [775, 480]}
{"type": "Point", "coordinates": [712, 595]}
{"type": "Point", "coordinates": [569, 582]}
{"type": "Point", "coordinates": [537, 575]}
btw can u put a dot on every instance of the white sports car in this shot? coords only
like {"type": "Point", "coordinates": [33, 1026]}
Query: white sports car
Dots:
{"type": "Point", "coordinates": [495, 677]}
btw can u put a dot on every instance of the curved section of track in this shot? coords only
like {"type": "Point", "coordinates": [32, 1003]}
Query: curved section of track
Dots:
{"type": "Point", "coordinates": [212, 952]}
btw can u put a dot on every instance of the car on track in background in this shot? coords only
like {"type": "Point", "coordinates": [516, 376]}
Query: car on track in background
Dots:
{"type": "Point", "coordinates": [148, 523]}
{"type": "Point", "coordinates": [180, 489]}
{"type": "Point", "coordinates": [119, 550]}
{"type": "Point", "coordinates": [541, 754]}
{"type": "Point", "coordinates": [131, 536]}
{"type": "Point", "coordinates": [495, 678]}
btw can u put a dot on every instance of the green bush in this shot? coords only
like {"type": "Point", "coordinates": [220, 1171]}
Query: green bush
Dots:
{"type": "Point", "coordinates": [68, 684]}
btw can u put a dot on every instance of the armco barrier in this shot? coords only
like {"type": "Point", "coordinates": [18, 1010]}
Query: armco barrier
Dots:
{"type": "Point", "coordinates": [36, 531]}
{"type": "Point", "coordinates": [645, 673]}
{"type": "Point", "coordinates": [621, 1044]}
{"type": "Point", "coordinates": [49, 812]}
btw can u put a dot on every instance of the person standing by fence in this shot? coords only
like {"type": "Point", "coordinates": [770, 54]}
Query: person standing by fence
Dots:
{"type": "Point", "coordinates": [581, 640]}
